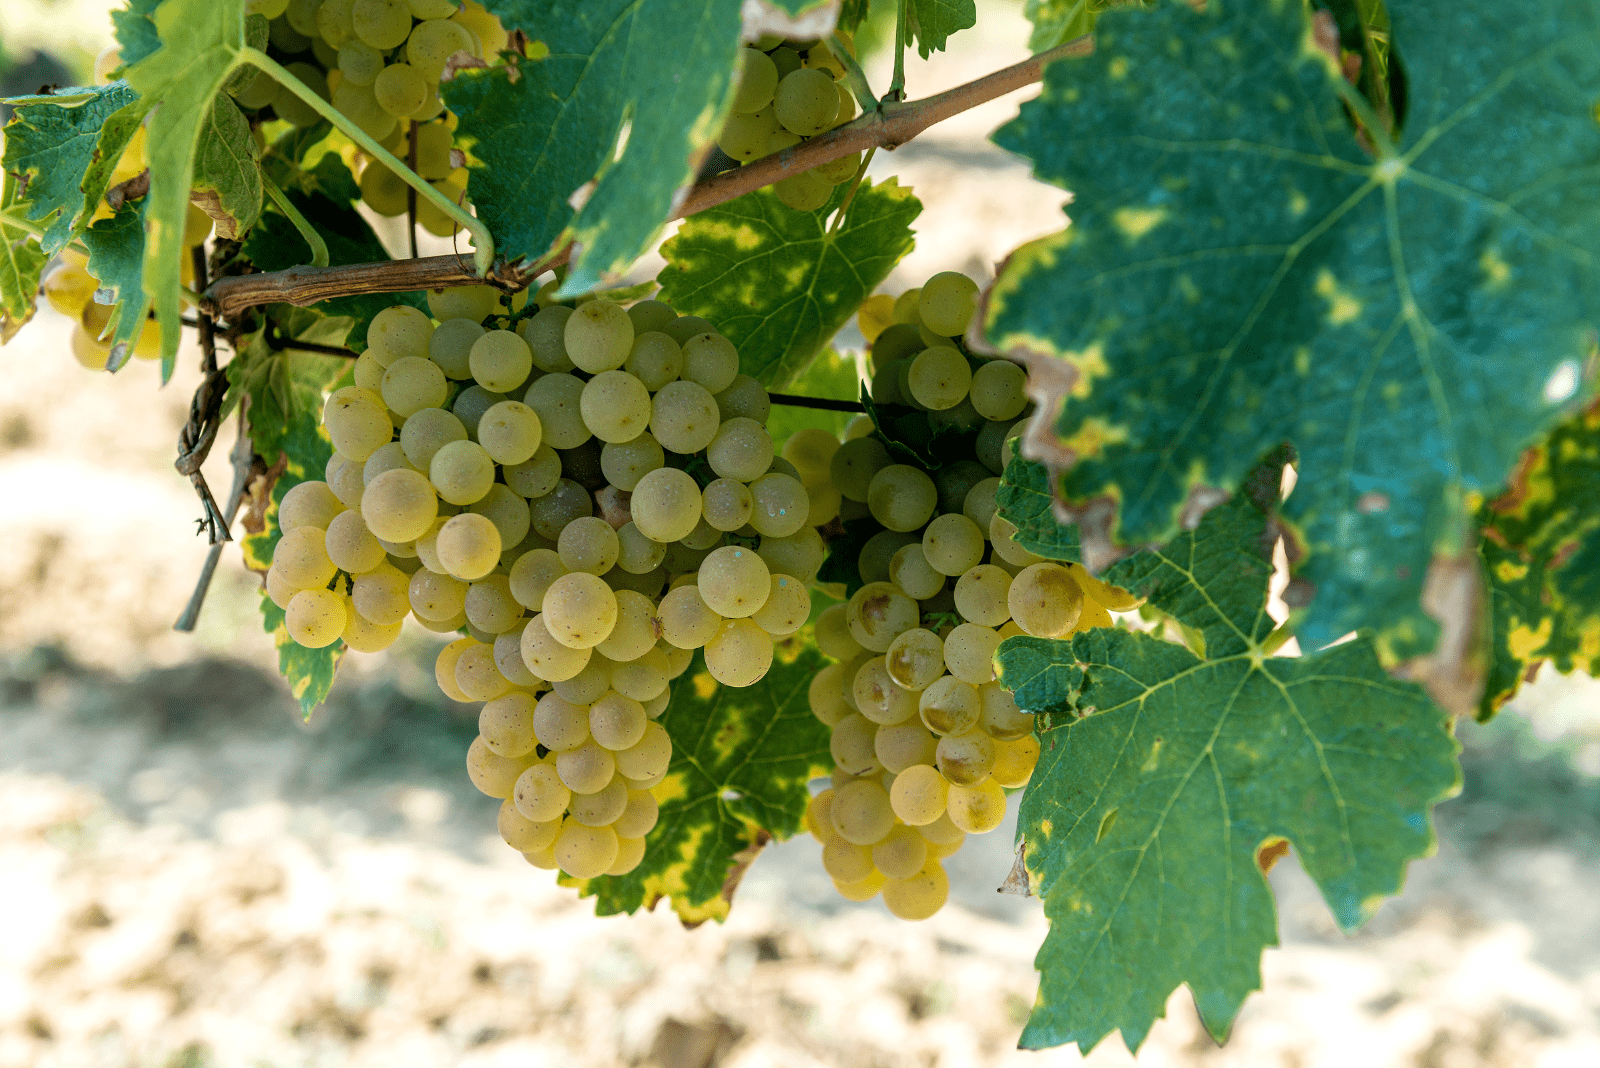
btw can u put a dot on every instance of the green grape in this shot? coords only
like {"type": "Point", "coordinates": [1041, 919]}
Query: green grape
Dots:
{"type": "Point", "coordinates": [901, 855]}
{"type": "Point", "coordinates": [756, 82]}
{"type": "Point", "coordinates": [588, 544]}
{"type": "Point", "coordinates": [302, 16]}
{"type": "Point", "coordinates": [734, 582]}
{"type": "Point", "coordinates": [811, 451]}
{"type": "Point", "coordinates": [398, 331]}
{"type": "Point", "coordinates": [939, 377]}
{"type": "Point", "coordinates": [451, 347]}
{"type": "Point", "coordinates": [904, 745]}
{"type": "Point", "coordinates": [434, 142]}
{"type": "Point", "coordinates": [289, 107]}
{"type": "Point", "coordinates": [920, 896]}
{"type": "Point", "coordinates": [637, 554]}
{"type": "Point", "coordinates": [599, 336]}
{"type": "Point", "coordinates": [902, 497]}
{"type": "Point", "coordinates": [946, 303]}
{"type": "Point", "coordinates": [561, 724]}
{"type": "Point", "coordinates": [953, 544]}
{"type": "Point", "coordinates": [666, 504]}
{"type": "Point", "coordinates": [432, 42]}
{"type": "Point", "coordinates": [855, 464]}
{"type": "Point", "coordinates": [1045, 601]}
{"type": "Point", "coordinates": [360, 62]}
{"type": "Point", "coordinates": [711, 361]}
{"type": "Point", "coordinates": [861, 813]}
{"type": "Point", "coordinates": [552, 512]}
{"type": "Point", "coordinates": [615, 406]}
{"type": "Point", "coordinates": [839, 170]}
{"type": "Point", "coordinates": [301, 558]}
{"type": "Point", "coordinates": [687, 622]}
{"type": "Point", "coordinates": [315, 618]}
{"type": "Point", "coordinates": [684, 418]}
{"type": "Point", "coordinates": [999, 390]}
{"type": "Point", "coordinates": [950, 706]}
{"type": "Point", "coordinates": [500, 361]}
{"type": "Point", "coordinates": [308, 504]}
{"type": "Point", "coordinates": [411, 384]}
{"type": "Point", "coordinates": [382, 190]}
{"type": "Point", "coordinates": [878, 697]}
{"type": "Point", "coordinates": [432, 9]}
{"type": "Point", "coordinates": [360, 105]}
{"type": "Point", "coordinates": [846, 861]}
{"type": "Point", "coordinates": [400, 90]}
{"type": "Point", "coordinates": [909, 569]}
{"type": "Point", "coordinates": [368, 373]}
{"type": "Point", "coordinates": [745, 137]}
{"type": "Point", "coordinates": [579, 610]}
{"type": "Point", "coordinates": [787, 607]}
{"type": "Point", "coordinates": [833, 634]}
{"type": "Point", "coordinates": [1001, 537]}
{"type": "Point", "coordinates": [536, 476]}
{"type": "Point", "coordinates": [508, 512]}
{"type": "Point", "coordinates": [471, 404]}
{"type": "Point", "coordinates": [741, 449]}
{"type": "Point", "coordinates": [509, 432]}
{"type": "Point", "coordinates": [336, 23]}
{"type": "Point", "coordinates": [625, 463]}
{"type": "Point", "coordinates": [650, 316]}
{"type": "Point", "coordinates": [468, 546]}
{"type": "Point", "coordinates": [490, 608]}
{"type": "Point", "coordinates": [633, 635]}
{"type": "Point", "coordinates": [703, 538]}
{"type": "Point", "coordinates": [383, 24]}
{"type": "Point", "coordinates": [548, 658]}
{"type": "Point", "coordinates": [425, 432]}
{"type": "Point", "coordinates": [558, 401]}
{"type": "Point", "coordinates": [256, 89]}
{"type": "Point", "coordinates": [617, 723]}
{"type": "Point", "coordinates": [399, 506]}
{"type": "Point", "coordinates": [806, 191]}
{"type": "Point", "coordinates": [685, 327]}
{"type": "Point", "coordinates": [350, 545]}
{"type": "Point", "coordinates": [649, 758]}
{"type": "Point", "coordinates": [739, 654]}
{"type": "Point", "coordinates": [463, 302]}
{"type": "Point", "coordinates": [746, 398]}
{"type": "Point", "coordinates": [981, 502]}
{"type": "Point", "coordinates": [800, 554]}
{"type": "Point", "coordinates": [545, 334]}
{"type": "Point", "coordinates": [461, 472]}
{"type": "Point", "coordinates": [980, 595]}
{"type": "Point", "coordinates": [380, 596]}
{"type": "Point", "coordinates": [655, 358]}
{"type": "Point", "coordinates": [357, 426]}
{"type": "Point", "coordinates": [725, 502]}
{"type": "Point", "coordinates": [977, 809]}
{"type": "Point", "coordinates": [806, 102]}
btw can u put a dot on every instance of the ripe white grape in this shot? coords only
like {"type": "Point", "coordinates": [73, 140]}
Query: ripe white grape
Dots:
{"type": "Point", "coordinates": [899, 746]}
{"type": "Point", "coordinates": [579, 610]}
{"type": "Point", "coordinates": [726, 504]}
{"type": "Point", "coordinates": [686, 621]}
{"type": "Point", "coordinates": [539, 794]}
{"type": "Point", "coordinates": [548, 658]}
{"type": "Point", "coordinates": [507, 511]}
{"type": "Point", "coordinates": [710, 360]}
{"type": "Point", "coordinates": [902, 498]}
{"type": "Point", "coordinates": [602, 807]}
{"type": "Point", "coordinates": [506, 726]}
{"type": "Point", "coordinates": [878, 613]}
{"type": "Point", "coordinates": [401, 90]}
{"type": "Point", "coordinates": [625, 463]}
{"type": "Point", "coordinates": [381, 595]}
{"type": "Point", "coordinates": [779, 505]}
{"type": "Point", "coordinates": [587, 768]}
{"type": "Point", "coordinates": [585, 852]}
{"type": "Point", "coordinates": [919, 795]}
{"type": "Point", "coordinates": [980, 595]}
{"type": "Point", "coordinates": [1045, 601]}
{"type": "Point", "coordinates": [739, 654]}
{"type": "Point", "coordinates": [1001, 531]}
{"type": "Point", "coordinates": [435, 596]}
{"type": "Point", "coordinates": [508, 656]}
{"type": "Point", "coordinates": [489, 606]}
{"type": "Point", "coordinates": [734, 581]}
{"type": "Point", "coordinates": [966, 759]}
{"type": "Point", "coordinates": [648, 315]}
{"type": "Point", "coordinates": [746, 398]}
{"type": "Point", "coordinates": [969, 653]}
{"type": "Point", "coordinates": [666, 503]}
{"type": "Point", "coordinates": [434, 141]}
{"type": "Point", "coordinates": [745, 137]}
{"type": "Point", "coordinates": [551, 513]}
{"type": "Point", "coordinates": [846, 861]}
{"type": "Point", "coordinates": [953, 544]}
{"type": "Point", "coordinates": [1014, 761]}
{"type": "Point", "coordinates": [523, 834]}
{"type": "Point", "coordinates": [444, 670]}
{"type": "Point", "coordinates": [806, 191]}
{"type": "Point", "coordinates": [825, 695]}
{"type": "Point", "coordinates": [901, 855]}
{"type": "Point", "coordinates": [800, 554]}
{"type": "Point", "coordinates": [301, 558]}
{"type": "Point", "coordinates": [787, 607]}
{"type": "Point", "coordinates": [386, 193]}
{"type": "Point", "coordinates": [685, 327]}
{"type": "Point", "coordinates": [559, 724]}
{"type": "Point", "coordinates": [388, 457]}
{"type": "Point", "coordinates": [649, 757]}
{"type": "Point", "coordinates": [811, 451]}
{"type": "Point", "coordinates": [500, 360]}
{"type": "Point", "coordinates": [492, 773]}
{"type": "Point", "coordinates": [350, 545]}
{"type": "Point", "coordinates": [599, 336]}
{"type": "Point", "coordinates": [315, 618]}
{"type": "Point", "coordinates": [915, 659]}
{"type": "Point", "coordinates": [558, 400]}
{"type": "Point", "coordinates": [617, 722]}
{"type": "Point", "coordinates": [946, 303]}
{"type": "Point", "coordinates": [1002, 720]}
{"type": "Point", "coordinates": [615, 406]}
{"type": "Point", "coordinates": [740, 449]}
{"type": "Point", "coordinates": [939, 377]}
{"type": "Point", "coordinates": [425, 432]}
{"type": "Point", "coordinates": [632, 637]}
{"type": "Point", "coordinates": [854, 465]}
{"type": "Point", "coordinates": [977, 809]}
{"type": "Point", "coordinates": [999, 390]}
{"type": "Point", "coordinates": [864, 890]}
{"type": "Point", "coordinates": [434, 41]}
{"type": "Point", "coordinates": [476, 673]}
{"type": "Point", "coordinates": [878, 697]}
{"type": "Point", "coordinates": [461, 472]}
{"type": "Point", "coordinates": [532, 574]}
{"type": "Point", "coordinates": [383, 24]}
{"type": "Point", "coordinates": [950, 706]}
{"type": "Point", "coordinates": [639, 816]}
{"type": "Point", "coordinates": [655, 359]}
{"type": "Point", "coordinates": [536, 476]}
{"type": "Point", "coordinates": [833, 634]}
{"type": "Point", "coordinates": [356, 425]}
{"type": "Point", "coordinates": [545, 334]}
{"type": "Point", "coordinates": [412, 384]}
{"type": "Point", "coordinates": [861, 813]}
{"type": "Point", "coordinates": [756, 83]}
{"type": "Point", "coordinates": [588, 544]}
{"type": "Point", "coordinates": [637, 554]}
{"type": "Point", "coordinates": [684, 417]}
{"type": "Point", "coordinates": [806, 102]}
{"type": "Point", "coordinates": [309, 504]}
{"type": "Point", "coordinates": [920, 896]}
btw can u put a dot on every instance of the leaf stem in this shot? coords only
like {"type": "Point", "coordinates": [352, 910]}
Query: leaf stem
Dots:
{"type": "Point", "coordinates": [897, 86]}
{"type": "Point", "coordinates": [319, 247]}
{"type": "Point", "coordinates": [850, 194]}
{"type": "Point", "coordinates": [411, 193]}
{"type": "Point", "coordinates": [482, 240]}
{"type": "Point", "coordinates": [1368, 116]}
{"type": "Point", "coordinates": [854, 76]}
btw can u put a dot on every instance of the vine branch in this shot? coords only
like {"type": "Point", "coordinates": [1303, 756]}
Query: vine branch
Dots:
{"type": "Point", "coordinates": [889, 126]}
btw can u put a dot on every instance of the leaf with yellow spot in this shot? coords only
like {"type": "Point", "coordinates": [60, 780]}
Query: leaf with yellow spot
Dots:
{"type": "Point", "coordinates": [1249, 275]}
{"type": "Point", "coordinates": [741, 758]}
{"type": "Point", "coordinates": [630, 96]}
{"type": "Point", "coordinates": [777, 281]}
{"type": "Point", "coordinates": [1144, 819]}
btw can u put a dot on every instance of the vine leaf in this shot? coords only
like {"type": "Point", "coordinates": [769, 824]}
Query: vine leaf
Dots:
{"type": "Point", "coordinates": [741, 759]}
{"type": "Point", "coordinates": [1143, 818]}
{"type": "Point", "coordinates": [1025, 500]}
{"type": "Point", "coordinates": [1041, 676]}
{"type": "Point", "coordinates": [200, 42]}
{"type": "Point", "coordinates": [775, 280]}
{"type": "Point", "coordinates": [227, 179]}
{"type": "Point", "coordinates": [21, 264]}
{"type": "Point", "coordinates": [284, 387]}
{"type": "Point", "coordinates": [306, 450]}
{"type": "Point", "coordinates": [1056, 22]}
{"type": "Point", "coordinates": [537, 132]}
{"type": "Point", "coordinates": [51, 146]}
{"type": "Point", "coordinates": [1240, 272]}
{"type": "Point", "coordinates": [1541, 555]}
{"type": "Point", "coordinates": [933, 21]}
{"type": "Point", "coordinates": [116, 260]}
{"type": "Point", "coordinates": [135, 32]}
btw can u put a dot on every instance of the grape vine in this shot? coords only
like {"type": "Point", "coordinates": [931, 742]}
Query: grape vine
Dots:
{"type": "Point", "coordinates": [716, 580]}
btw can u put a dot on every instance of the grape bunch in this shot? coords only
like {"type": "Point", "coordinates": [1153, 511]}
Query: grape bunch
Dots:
{"type": "Point", "coordinates": [926, 740]}
{"type": "Point", "coordinates": [784, 93]}
{"type": "Point", "coordinates": [379, 62]}
{"type": "Point", "coordinates": [591, 496]}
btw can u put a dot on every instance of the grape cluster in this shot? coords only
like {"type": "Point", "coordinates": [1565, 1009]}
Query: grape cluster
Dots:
{"type": "Point", "coordinates": [591, 496]}
{"type": "Point", "coordinates": [784, 93]}
{"type": "Point", "coordinates": [379, 62]}
{"type": "Point", "coordinates": [925, 739]}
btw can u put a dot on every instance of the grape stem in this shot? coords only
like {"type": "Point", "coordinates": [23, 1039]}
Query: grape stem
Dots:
{"type": "Point", "coordinates": [850, 194]}
{"type": "Point", "coordinates": [889, 126]}
{"type": "Point", "coordinates": [854, 76]}
{"type": "Point", "coordinates": [319, 247]}
{"type": "Point", "coordinates": [411, 192]}
{"type": "Point", "coordinates": [897, 85]}
{"type": "Point", "coordinates": [823, 403]}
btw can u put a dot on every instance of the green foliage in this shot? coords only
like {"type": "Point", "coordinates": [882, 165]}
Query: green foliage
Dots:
{"type": "Point", "coordinates": [1241, 272]}
{"type": "Point", "coordinates": [1542, 559]}
{"type": "Point", "coordinates": [200, 41]}
{"type": "Point", "coordinates": [776, 281]}
{"type": "Point", "coordinates": [50, 146]}
{"type": "Point", "coordinates": [284, 388]}
{"type": "Point", "coordinates": [741, 759]}
{"type": "Point", "coordinates": [226, 175]}
{"type": "Point", "coordinates": [21, 263]}
{"type": "Point", "coordinates": [1143, 819]}
{"type": "Point", "coordinates": [541, 131]}
{"type": "Point", "coordinates": [1025, 500]}
{"type": "Point", "coordinates": [135, 31]}
{"type": "Point", "coordinates": [1041, 675]}
{"type": "Point", "coordinates": [1059, 21]}
{"type": "Point", "coordinates": [843, 552]}
{"type": "Point", "coordinates": [932, 22]}
{"type": "Point", "coordinates": [116, 259]}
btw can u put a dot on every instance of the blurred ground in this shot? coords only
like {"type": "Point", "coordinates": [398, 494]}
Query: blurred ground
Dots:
{"type": "Point", "coordinates": [189, 877]}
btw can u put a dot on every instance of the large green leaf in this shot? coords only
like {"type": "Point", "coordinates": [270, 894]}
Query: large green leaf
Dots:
{"type": "Point", "coordinates": [200, 42]}
{"type": "Point", "coordinates": [227, 179]}
{"type": "Point", "coordinates": [1041, 675]}
{"type": "Point", "coordinates": [1025, 500]}
{"type": "Point", "coordinates": [775, 280]}
{"type": "Point", "coordinates": [536, 134]}
{"type": "Point", "coordinates": [117, 261]}
{"type": "Point", "coordinates": [136, 33]}
{"type": "Point", "coordinates": [51, 147]}
{"type": "Point", "coordinates": [933, 21]}
{"type": "Point", "coordinates": [1240, 273]}
{"type": "Point", "coordinates": [21, 263]}
{"type": "Point", "coordinates": [1143, 819]}
{"type": "Point", "coordinates": [1059, 21]}
{"type": "Point", "coordinates": [741, 759]}
{"type": "Point", "coordinates": [1541, 554]}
